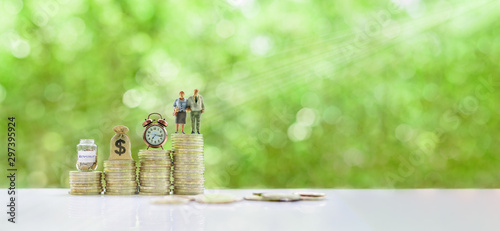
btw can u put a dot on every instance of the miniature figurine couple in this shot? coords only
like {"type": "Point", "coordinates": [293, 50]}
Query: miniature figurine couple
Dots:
{"type": "Point", "coordinates": [193, 104]}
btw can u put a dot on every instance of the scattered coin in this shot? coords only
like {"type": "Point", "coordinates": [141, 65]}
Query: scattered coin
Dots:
{"type": "Point", "coordinates": [312, 198]}
{"type": "Point", "coordinates": [310, 194]}
{"type": "Point", "coordinates": [253, 198]}
{"type": "Point", "coordinates": [282, 197]}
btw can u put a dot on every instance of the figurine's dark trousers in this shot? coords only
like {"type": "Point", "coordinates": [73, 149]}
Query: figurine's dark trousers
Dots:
{"type": "Point", "coordinates": [195, 116]}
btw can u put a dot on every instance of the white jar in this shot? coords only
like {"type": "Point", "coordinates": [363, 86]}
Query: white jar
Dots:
{"type": "Point", "coordinates": [87, 155]}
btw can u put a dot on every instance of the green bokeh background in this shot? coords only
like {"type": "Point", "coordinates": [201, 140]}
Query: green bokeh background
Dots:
{"type": "Point", "coordinates": [298, 94]}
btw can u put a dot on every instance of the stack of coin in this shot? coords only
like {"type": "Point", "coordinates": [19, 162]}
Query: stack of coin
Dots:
{"type": "Point", "coordinates": [120, 177]}
{"type": "Point", "coordinates": [154, 172]}
{"type": "Point", "coordinates": [188, 164]}
{"type": "Point", "coordinates": [85, 183]}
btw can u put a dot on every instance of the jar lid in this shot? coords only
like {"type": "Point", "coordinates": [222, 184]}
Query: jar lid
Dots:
{"type": "Point", "coordinates": [86, 141]}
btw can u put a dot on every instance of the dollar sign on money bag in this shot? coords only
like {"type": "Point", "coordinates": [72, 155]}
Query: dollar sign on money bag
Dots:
{"type": "Point", "coordinates": [118, 144]}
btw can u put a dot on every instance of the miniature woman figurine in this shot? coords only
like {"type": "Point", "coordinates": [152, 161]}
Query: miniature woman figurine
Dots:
{"type": "Point", "coordinates": [180, 106]}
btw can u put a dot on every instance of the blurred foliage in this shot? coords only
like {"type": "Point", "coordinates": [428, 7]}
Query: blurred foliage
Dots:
{"type": "Point", "coordinates": [300, 93]}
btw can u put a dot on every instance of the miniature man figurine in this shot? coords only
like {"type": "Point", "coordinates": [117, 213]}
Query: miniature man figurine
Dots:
{"type": "Point", "coordinates": [180, 106]}
{"type": "Point", "coordinates": [196, 107]}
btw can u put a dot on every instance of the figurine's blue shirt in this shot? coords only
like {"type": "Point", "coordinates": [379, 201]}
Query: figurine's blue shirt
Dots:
{"type": "Point", "coordinates": [181, 104]}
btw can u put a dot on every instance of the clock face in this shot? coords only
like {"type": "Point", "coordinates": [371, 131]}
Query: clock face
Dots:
{"type": "Point", "coordinates": [155, 135]}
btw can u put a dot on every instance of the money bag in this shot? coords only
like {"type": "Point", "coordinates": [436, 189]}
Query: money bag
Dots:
{"type": "Point", "coordinates": [120, 144]}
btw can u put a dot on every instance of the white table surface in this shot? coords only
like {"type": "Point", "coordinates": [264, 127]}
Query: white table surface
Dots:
{"type": "Point", "coordinates": [421, 209]}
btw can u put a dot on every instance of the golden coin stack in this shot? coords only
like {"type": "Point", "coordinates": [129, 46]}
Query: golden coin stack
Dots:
{"type": "Point", "coordinates": [120, 177]}
{"type": "Point", "coordinates": [189, 166]}
{"type": "Point", "coordinates": [154, 172]}
{"type": "Point", "coordinates": [85, 183]}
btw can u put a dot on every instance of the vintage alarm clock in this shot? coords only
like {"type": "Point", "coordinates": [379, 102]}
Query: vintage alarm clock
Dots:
{"type": "Point", "coordinates": [155, 135]}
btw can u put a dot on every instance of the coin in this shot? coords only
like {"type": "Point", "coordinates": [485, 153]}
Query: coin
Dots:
{"type": "Point", "coordinates": [187, 145]}
{"type": "Point", "coordinates": [120, 180]}
{"type": "Point", "coordinates": [188, 150]}
{"type": "Point", "coordinates": [185, 168]}
{"type": "Point", "coordinates": [188, 177]}
{"type": "Point", "coordinates": [155, 167]}
{"type": "Point", "coordinates": [190, 166]}
{"type": "Point", "coordinates": [117, 186]}
{"type": "Point", "coordinates": [122, 189]}
{"type": "Point", "coordinates": [179, 158]}
{"type": "Point", "coordinates": [120, 193]}
{"type": "Point", "coordinates": [157, 172]}
{"type": "Point", "coordinates": [217, 198]}
{"type": "Point", "coordinates": [187, 193]}
{"type": "Point", "coordinates": [188, 187]}
{"type": "Point", "coordinates": [194, 184]}
{"type": "Point", "coordinates": [146, 175]}
{"type": "Point", "coordinates": [153, 150]}
{"type": "Point", "coordinates": [118, 161]}
{"type": "Point", "coordinates": [119, 171]}
{"type": "Point", "coordinates": [310, 194]}
{"type": "Point", "coordinates": [153, 193]}
{"type": "Point", "coordinates": [189, 136]}
{"type": "Point", "coordinates": [178, 161]}
{"type": "Point", "coordinates": [312, 198]}
{"type": "Point", "coordinates": [188, 155]}
{"type": "Point", "coordinates": [84, 173]}
{"type": "Point", "coordinates": [155, 162]}
{"type": "Point", "coordinates": [119, 174]}
{"type": "Point", "coordinates": [85, 181]}
{"type": "Point", "coordinates": [144, 178]}
{"type": "Point", "coordinates": [154, 155]}
{"type": "Point", "coordinates": [84, 193]}
{"type": "Point", "coordinates": [191, 163]}
{"type": "Point", "coordinates": [282, 197]}
{"type": "Point", "coordinates": [162, 192]}
{"type": "Point", "coordinates": [156, 182]}
{"type": "Point", "coordinates": [121, 184]}
{"type": "Point", "coordinates": [156, 185]}
{"type": "Point", "coordinates": [181, 181]}
{"type": "Point", "coordinates": [117, 165]}
{"type": "Point", "coordinates": [187, 172]}
{"type": "Point", "coordinates": [155, 188]}
{"type": "Point", "coordinates": [253, 198]}
{"type": "Point", "coordinates": [192, 172]}
{"type": "Point", "coordinates": [120, 177]}
{"type": "Point", "coordinates": [85, 176]}
{"type": "Point", "coordinates": [85, 185]}
{"type": "Point", "coordinates": [174, 140]}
